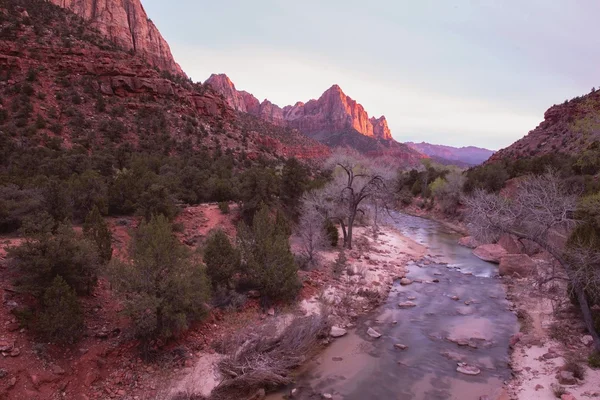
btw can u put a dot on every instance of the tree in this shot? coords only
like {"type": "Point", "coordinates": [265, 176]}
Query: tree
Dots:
{"type": "Point", "coordinates": [310, 230]}
{"type": "Point", "coordinates": [448, 191]}
{"type": "Point", "coordinates": [259, 186]}
{"type": "Point", "coordinates": [221, 258]}
{"type": "Point", "coordinates": [156, 200]}
{"type": "Point", "coordinates": [40, 259]}
{"type": "Point", "coordinates": [356, 182]}
{"type": "Point", "coordinates": [61, 318]}
{"type": "Point", "coordinates": [97, 230]}
{"type": "Point", "coordinates": [163, 287]}
{"type": "Point", "coordinates": [294, 180]}
{"type": "Point", "coordinates": [88, 190]}
{"type": "Point", "coordinates": [267, 257]}
{"type": "Point", "coordinates": [540, 207]}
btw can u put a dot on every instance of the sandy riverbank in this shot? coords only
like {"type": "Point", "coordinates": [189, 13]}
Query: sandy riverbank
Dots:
{"type": "Point", "coordinates": [552, 333]}
{"type": "Point", "coordinates": [372, 266]}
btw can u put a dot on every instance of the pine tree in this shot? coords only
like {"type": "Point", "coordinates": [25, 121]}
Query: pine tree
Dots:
{"type": "Point", "coordinates": [221, 258]}
{"type": "Point", "coordinates": [96, 230]}
{"type": "Point", "coordinates": [61, 318]}
{"type": "Point", "coordinates": [269, 262]}
{"type": "Point", "coordinates": [164, 288]}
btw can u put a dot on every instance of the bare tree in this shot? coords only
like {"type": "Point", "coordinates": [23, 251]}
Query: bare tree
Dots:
{"type": "Point", "coordinates": [539, 210]}
{"type": "Point", "coordinates": [357, 180]}
{"type": "Point", "coordinates": [310, 228]}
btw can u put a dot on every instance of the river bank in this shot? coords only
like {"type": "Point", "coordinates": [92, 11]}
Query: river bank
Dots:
{"type": "Point", "coordinates": [370, 270]}
{"type": "Point", "coordinates": [441, 333]}
{"type": "Point", "coordinates": [551, 342]}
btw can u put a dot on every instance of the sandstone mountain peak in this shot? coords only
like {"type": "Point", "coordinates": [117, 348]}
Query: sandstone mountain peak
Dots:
{"type": "Point", "coordinates": [333, 112]}
{"type": "Point", "coordinates": [126, 23]}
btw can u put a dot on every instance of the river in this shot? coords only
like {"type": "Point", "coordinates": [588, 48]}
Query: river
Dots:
{"type": "Point", "coordinates": [358, 367]}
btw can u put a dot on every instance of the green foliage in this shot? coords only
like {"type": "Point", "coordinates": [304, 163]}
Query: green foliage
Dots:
{"type": "Point", "coordinates": [224, 207]}
{"type": "Point", "coordinates": [490, 177]}
{"type": "Point", "coordinates": [269, 263]}
{"type": "Point", "coordinates": [332, 233]}
{"type": "Point", "coordinates": [88, 190]}
{"type": "Point", "coordinates": [221, 258]}
{"type": "Point", "coordinates": [39, 260]}
{"type": "Point", "coordinates": [61, 317]}
{"type": "Point", "coordinates": [594, 360]}
{"type": "Point", "coordinates": [259, 187]}
{"type": "Point", "coordinates": [294, 181]}
{"type": "Point", "coordinates": [97, 230]}
{"type": "Point", "coordinates": [156, 200]}
{"type": "Point", "coordinates": [15, 205]}
{"type": "Point", "coordinates": [163, 287]}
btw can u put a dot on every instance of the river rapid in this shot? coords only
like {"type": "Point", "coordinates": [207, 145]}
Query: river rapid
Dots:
{"type": "Point", "coordinates": [462, 318]}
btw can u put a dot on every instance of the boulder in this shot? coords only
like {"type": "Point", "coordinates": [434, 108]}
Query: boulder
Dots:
{"type": "Point", "coordinates": [566, 378]}
{"type": "Point", "coordinates": [567, 396]}
{"type": "Point", "coordinates": [467, 369]}
{"type": "Point", "coordinates": [336, 332]}
{"type": "Point", "coordinates": [511, 244]}
{"type": "Point", "coordinates": [400, 346]}
{"type": "Point", "coordinates": [468, 241]}
{"type": "Point", "coordinates": [405, 281]}
{"type": "Point", "coordinates": [519, 265]}
{"type": "Point", "coordinates": [373, 333]}
{"type": "Point", "coordinates": [490, 252]}
{"type": "Point", "coordinates": [587, 340]}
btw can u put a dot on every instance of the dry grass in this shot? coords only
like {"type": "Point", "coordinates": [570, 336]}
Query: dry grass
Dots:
{"type": "Point", "coordinates": [266, 361]}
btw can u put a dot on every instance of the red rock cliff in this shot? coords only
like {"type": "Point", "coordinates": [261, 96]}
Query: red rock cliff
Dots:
{"type": "Point", "coordinates": [333, 112]}
{"type": "Point", "coordinates": [126, 23]}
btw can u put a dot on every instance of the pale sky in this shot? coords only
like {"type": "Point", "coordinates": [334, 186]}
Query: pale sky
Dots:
{"type": "Point", "coordinates": [454, 72]}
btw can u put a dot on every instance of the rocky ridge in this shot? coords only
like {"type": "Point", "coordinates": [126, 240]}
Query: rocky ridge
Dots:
{"type": "Point", "coordinates": [333, 111]}
{"type": "Point", "coordinates": [469, 155]}
{"type": "Point", "coordinates": [92, 88]}
{"type": "Point", "coordinates": [126, 23]}
{"type": "Point", "coordinates": [568, 128]}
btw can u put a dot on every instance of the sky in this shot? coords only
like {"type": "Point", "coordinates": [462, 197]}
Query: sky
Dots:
{"type": "Point", "coordinates": [453, 72]}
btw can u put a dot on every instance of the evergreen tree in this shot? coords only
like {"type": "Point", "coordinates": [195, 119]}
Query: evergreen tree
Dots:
{"type": "Point", "coordinates": [164, 288]}
{"type": "Point", "coordinates": [61, 318]}
{"type": "Point", "coordinates": [269, 262]}
{"type": "Point", "coordinates": [96, 230]}
{"type": "Point", "coordinates": [221, 258]}
{"type": "Point", "coordinates": [294, 181]}
{"type": "Point", "coordinates": [42, 258]}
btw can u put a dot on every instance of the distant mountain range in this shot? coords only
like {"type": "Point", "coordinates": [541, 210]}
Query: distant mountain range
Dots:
{"type": "Point", "coordinates": [462, 156]}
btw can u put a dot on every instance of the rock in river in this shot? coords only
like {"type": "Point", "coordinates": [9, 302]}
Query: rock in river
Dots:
{"type": "Point", "coordinates": [336, 332]}
{"type": "Point", "coordinates": [467, 369]}
{"type": "Point", "coordinates": [373, 333]}
{"type": "Point", "coordinates": [406, 304]}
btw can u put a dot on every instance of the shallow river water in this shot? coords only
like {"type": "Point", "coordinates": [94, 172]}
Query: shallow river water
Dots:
{"type": "Point", "coordinates": [357, 367]}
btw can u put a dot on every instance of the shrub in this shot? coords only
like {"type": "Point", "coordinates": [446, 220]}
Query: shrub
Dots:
{"type": "Point", "coordinates": [594, 360]}
{"type": "Point", "coordinates": [224, 207]}
{"type": "Point", "coordinates": [340, 264]}
{"type": "Point", "coordinates": [576, 368]}
{"type": "Point", "coordinates": [221, 258]}
{"type": "Point", "coordinates": [88, 190]}
{"type": "Point", "coordinates": [41, 259]}
{"type": "Point", "coordinates": [96, 230]}
{"type": "Point", "coordinates": [164, 288]}
{"type": "Point", "coordinates": [61, 318]}
{"type": "Point", "coordinates": [332, 233]}
{"type": "Point", "coordinates": [268, 260]}
{"type": "Point", "coordinates": [156, 200]}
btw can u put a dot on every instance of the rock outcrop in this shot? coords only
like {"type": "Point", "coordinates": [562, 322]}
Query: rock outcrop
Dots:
{"type": "Point", "coordinates": [569, 128]}
{"type": "Point", "coordinates": [490, 252]}
{"type": "Point", "coordinates": [126, 23]}
{"type": "Point", "coordinates": [334, 119]}
{"type": "Point", "coordinates": [517, 265]}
